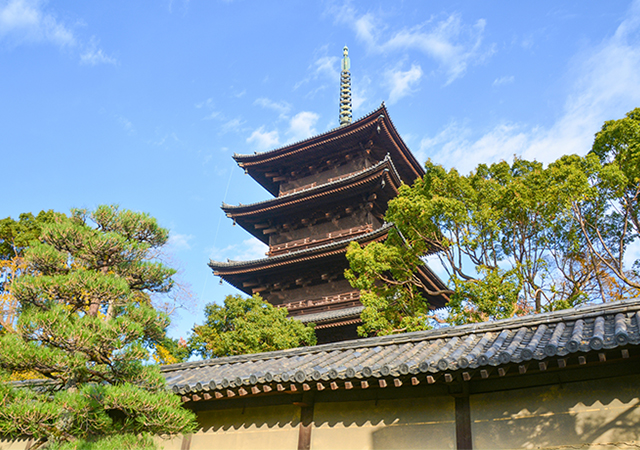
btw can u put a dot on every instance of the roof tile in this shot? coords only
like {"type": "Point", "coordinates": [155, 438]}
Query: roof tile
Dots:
{"type": "Point", "coordinates": [536, 337]}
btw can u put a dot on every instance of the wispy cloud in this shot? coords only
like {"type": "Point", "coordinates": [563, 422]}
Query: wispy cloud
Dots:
{"type": "Point", "coordinates": [299, 127]}
{"type": "Point", "coordinates": [208, 103]}
{"type": "Point", "coordinates": [93, 55]}
{"type": "Point", "coordinates": [323, 68]}
{"type": "Point", "coordinates": [179, 241]}
{"type": "Point", "coordinates": [503, 80]}
{"type": "Point", "coordinates": [231, 125]}
{"type": "Point", "coordinates": [327, 67]}
{"type": "Point", "coordinates": [282, 108]}
{"type": "Point", "coordinates": [126, 124]}
{"type": "Point", "coordinates": [606, 87]}
{"type": "Point", "coordinates": [453, 44]}
{"type": "Point", "coordinates": [302, 125]}
{"type": "Point", "coordinates": [24, 21]}
{"type": "Point", "coordinates": [402, 83]}
{"type": "Point", "coordinates": [247, 250]}
{"type": "Point", "coordinates": [264, 140]}
{"type": "Point", "coordinates": [27, 22]}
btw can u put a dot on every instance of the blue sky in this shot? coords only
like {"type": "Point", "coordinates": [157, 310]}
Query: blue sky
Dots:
{"type": "Point", "coordinates": [144, 103]}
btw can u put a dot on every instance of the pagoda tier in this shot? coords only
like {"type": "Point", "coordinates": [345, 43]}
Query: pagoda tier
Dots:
{"type": "Point", "coordinates": [329, 190]}
{"type": "Point", "coordinates": [348, 206]}
{"type": "Point", "coordinates": [333, 154]}
{"type": "Point", "coordinates": [310, 283]}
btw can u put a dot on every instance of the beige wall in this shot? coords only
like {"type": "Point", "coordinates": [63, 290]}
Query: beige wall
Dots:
{"type": "Point", "coordinates": [272, 427]}
{"type": "Point", "coordinates": [13, 445]}
{"type": "Point", "coordinates": [387, 424]}
{"type": "Point", "coordinates": [166, 443]}
{"type": "Point", "coordinates": [595, 414]}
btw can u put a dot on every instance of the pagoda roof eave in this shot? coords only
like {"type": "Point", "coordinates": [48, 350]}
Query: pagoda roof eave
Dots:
{"type": "Point", "coordinates": [315, 191]}
{"type": "Point", "coordinates": [258, 157]}
{"type": "Point", "coordinates": [232, 267]}
{"type": "Point", "coordinates": [376, 123]}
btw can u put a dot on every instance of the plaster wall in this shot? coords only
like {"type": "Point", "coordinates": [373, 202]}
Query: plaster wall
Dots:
{"type": "Point", "coordinates": [384, 424]}
{"type": "Point", "coordinates": [595, 414]}
{"type": "Point", "coordinates": [14, 445]}
{"type": "Point", "coordinates": [273, 427]}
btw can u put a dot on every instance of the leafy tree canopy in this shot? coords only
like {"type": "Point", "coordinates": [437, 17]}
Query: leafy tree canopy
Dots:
{"type": "Point", "coordinates": [15, 237]}
{"type": "Point", "coordinates": [85, 325]}
{"type": "Point", "coordinates": [512, 238]}
{"type": "Point", "coordinates": [247, 325]}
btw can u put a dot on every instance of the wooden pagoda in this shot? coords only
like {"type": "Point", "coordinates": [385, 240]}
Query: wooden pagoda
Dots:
{"type": "Point", "coordinates": [328, 191]}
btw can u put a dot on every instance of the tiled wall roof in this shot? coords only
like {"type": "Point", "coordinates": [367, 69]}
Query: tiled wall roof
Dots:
{"type": "Point", "coordinates": [420, 356]}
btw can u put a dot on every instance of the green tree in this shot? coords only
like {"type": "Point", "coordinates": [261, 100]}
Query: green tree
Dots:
{"type": "Point", "coordinates": [513, 238]}
{"type": "Point", "coordinates": [610, 219]}
{"type": "Point", "coordinates": [247, 325]}
{"type": "Point", "coordinates": [85, 325]}
{"type": "Point", "coordinates": [15, 237]}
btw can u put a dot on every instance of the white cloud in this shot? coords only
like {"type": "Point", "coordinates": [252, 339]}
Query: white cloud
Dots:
{"type": "Point", "coordinates": [281, 108]}
{"type": "Point", "coordinates": [230, 125]}
{"type": "Point", "coordinates": [251, 249]}
{"type": "Point", "coordinates": [247, 250]}
{"type": "Point", "coordinates": [402, 83]}
{"type": "Point", "coordinates": [327, 66]}
{"type": "Point", "coordinates": [606, 87]}
{"type": "Point", "coordinates": [212, 115]}
{"type": "Point", "coordinates": [180, 242]}
{"type": "Point", "coordinates": [503, 80]}
{"type": "Point", "coordinates": [24, 21]}
{"type": "Point", "coordinates": [453, 44]}
{"type": "Point", "coordinates": [359, 93]}
{"type": "Point", "coordinates": [323, 67]}
{"type": "Point", "coordinates": [208, 103]}
{"type": "Point", "coordinates": [301, 126]}
{"type": "Point", "coordinates": [93, 55]}
{"type": "Point", "coordinates": [264, 140]}
{"type": "Point", "coordinates": [126, 124]}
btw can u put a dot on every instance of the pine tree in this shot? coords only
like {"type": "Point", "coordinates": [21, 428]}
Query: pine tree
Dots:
{"type": "Point", "coordinates": [85, 325]}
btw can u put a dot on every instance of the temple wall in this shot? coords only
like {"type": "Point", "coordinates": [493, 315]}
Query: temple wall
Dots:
{"type": "Point", "coordinates": [13, 445]}
{"type": "Point", "coordinates": [385, 424]}
{"type": "Point", "coordinates": [273, 427]}
{"type": "Point", "coordinates": [596, 414]}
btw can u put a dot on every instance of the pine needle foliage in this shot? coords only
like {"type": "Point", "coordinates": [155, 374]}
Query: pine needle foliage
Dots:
{"type": "Point", "coordinates": [85, 325]}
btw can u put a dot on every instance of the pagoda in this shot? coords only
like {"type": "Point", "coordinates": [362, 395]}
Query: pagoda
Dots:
{"type": "Point", "coordinates": [328, 191]}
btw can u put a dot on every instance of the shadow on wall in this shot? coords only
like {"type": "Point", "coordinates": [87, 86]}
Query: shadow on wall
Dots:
{"type": "Point", "coordinates": [596, 412]}
{"type": "Point", "coordinates": [386, 424]}
{"type": "Point", "coordinates": [412, 436]}
{"type": "Point", "coordinates": [275, 417]}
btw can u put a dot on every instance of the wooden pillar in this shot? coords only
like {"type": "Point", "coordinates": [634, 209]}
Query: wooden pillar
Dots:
{"type": "Point", "coordinates": [186, 442]}
{"type": "Point", "coordinates": [463, 423]}
{"type": "Point", "coordinates": [306, 423]}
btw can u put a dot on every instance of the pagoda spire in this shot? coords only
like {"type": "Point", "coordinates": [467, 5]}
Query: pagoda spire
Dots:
{"type": "Point", "coordinates": [345, 89]}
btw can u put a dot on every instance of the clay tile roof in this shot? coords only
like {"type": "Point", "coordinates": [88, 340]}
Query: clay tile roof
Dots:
{"type": "Point", "coordinates": [581, 334]}
{"type": "Point", "coordinates": [333, 314]}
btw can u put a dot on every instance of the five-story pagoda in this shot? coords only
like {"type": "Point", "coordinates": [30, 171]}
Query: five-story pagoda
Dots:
{"type": "Point", "coordinates": [329, 190]}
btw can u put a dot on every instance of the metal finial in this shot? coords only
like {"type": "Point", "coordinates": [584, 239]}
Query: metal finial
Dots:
{"type": "Point", "coordinates": [345, 89]}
